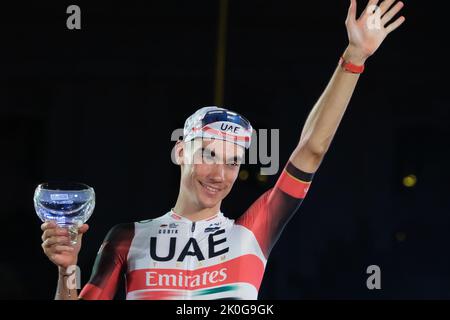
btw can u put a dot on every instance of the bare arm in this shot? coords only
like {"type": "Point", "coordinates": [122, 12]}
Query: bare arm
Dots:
{"type": "Point", "coordinates": [365, 37]}
{"type": "Point", "coordinates": [65, 289]}
{"type": "Point", "coordinates": [57, 247]}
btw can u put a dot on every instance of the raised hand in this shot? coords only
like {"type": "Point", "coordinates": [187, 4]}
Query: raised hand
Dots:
{"type": "Point", "coordinates": [367, 33]}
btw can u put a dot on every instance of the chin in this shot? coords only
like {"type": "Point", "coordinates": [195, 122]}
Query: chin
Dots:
{"type": "Point", "coordinates": [208, 202]}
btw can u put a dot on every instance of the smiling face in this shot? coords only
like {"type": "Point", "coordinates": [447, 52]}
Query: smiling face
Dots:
{"type": "Point", "coordinates": [209, 169]}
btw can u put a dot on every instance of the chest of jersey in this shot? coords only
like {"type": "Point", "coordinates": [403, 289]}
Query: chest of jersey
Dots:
{"type": "Point", "coordinates": [188, 260]}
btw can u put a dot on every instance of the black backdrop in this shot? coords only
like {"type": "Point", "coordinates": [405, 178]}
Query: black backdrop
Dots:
{"type": "Point", "coordinates": [99, 104]}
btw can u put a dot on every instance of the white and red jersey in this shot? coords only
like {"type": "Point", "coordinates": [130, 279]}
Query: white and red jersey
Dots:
{"type": "Point", "coordinates": [171, 257]}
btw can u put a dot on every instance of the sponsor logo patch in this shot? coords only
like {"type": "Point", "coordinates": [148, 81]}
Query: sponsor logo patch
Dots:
{"type": "Point", "coordinates": [211, 229]}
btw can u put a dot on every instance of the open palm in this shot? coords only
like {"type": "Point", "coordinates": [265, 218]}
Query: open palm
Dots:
{"type": "Point", "coordinates": [368, 31]}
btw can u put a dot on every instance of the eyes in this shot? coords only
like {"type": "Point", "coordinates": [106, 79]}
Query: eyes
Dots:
{"type": "Point", "coordinates": [233, 164]}
{"type": "Point", "coordinates": [209, 156]}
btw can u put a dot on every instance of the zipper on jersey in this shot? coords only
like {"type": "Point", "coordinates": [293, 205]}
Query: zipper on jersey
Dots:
{"type": "Point", "coordinates": [190, 264]}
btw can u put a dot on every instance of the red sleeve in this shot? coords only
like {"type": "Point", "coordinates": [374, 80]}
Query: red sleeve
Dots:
{"type": "Point", "coordinates": [110, 263]}
{"type": "Point", "coordinates": [268, 215]}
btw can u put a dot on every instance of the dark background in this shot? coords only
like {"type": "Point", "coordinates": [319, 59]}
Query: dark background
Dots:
{"type": "Point", "coordinates": [98, 105]}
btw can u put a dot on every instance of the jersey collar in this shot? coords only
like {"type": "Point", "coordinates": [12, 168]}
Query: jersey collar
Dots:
{"type": "Point", "coordinates": [177, 217]}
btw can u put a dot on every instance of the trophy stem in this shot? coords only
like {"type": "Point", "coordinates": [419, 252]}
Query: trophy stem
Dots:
{"type": "Point", "coordinates": [73, 234]}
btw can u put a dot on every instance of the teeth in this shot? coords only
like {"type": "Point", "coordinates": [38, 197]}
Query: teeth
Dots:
{"type": "Point", "coordinates": [210, 188]}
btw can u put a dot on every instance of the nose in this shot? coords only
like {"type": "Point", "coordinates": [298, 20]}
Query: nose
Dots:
{"type": "Point", "coordinates": [217, 173]}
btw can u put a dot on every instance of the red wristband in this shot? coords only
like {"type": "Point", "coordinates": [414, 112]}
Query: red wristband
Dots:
{"type": "Point", "coordinates": [350, 67]}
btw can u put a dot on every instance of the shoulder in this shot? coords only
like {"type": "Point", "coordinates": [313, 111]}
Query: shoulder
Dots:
{"type": "Point", "coordinates": [121, 232]}
{"type": "Point", "coordinates": [127, 230]}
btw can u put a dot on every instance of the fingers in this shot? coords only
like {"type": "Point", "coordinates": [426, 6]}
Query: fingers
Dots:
{"type": "Point", "coordinates": [372, 2]}
{"type": "Point", "coordinates": [48, 225]}
{"type": "Point", "coordinates": [394, 25]}
{"type": "Point", "coordinates": [391, 13]}
{"type": "Point", "coordinates": [54, 231]}
{"type": "Point", "coordinates": [59, 240]}
{"type": "Point", "coordinates": [51, 229]}
{"type": "Point", "coordinates": [56, 245]}
{"type": "Point", "coordinates": [352, 11]}
{"type": "Point", "coordinates": [385, 5]}
{"type": "Point", "coordinates": [371, 7]}
{"type": "Point", "coordinates": [83, 229]}
{"type": "Point", "coordinates": [62, 249]}
{"type": "Point", "coordinates": [57, 254]}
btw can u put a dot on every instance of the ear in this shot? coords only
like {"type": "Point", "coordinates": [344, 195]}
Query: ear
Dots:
{"type": "Point", "coordinates": [179, 152]}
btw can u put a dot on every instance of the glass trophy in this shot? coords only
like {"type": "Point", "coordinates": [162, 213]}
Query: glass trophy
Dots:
{"type": "Point", "coordinates": [69, 205]}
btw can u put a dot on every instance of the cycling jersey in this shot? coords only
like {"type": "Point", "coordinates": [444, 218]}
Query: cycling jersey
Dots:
{"type": "Point", "coordinates": [171, 257]}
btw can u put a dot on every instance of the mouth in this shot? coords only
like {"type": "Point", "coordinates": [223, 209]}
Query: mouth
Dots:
{"type": "Point", "coordinates": [209, 189]}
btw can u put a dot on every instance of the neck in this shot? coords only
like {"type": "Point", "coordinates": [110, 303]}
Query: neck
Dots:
{"type": "Point", "coordinates": [192, 211]}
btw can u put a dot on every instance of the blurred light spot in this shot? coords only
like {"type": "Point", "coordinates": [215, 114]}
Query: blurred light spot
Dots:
{"type": "Point", "coordinates": [410, 181]}
{"type": "Point", "coordinates": [261, 178]}
{"type": "Point", "coordinates": [400, 236]}
{"type": "Point", "coordinates": [243, 175]}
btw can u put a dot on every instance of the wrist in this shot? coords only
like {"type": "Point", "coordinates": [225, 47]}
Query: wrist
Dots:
{"type": "Point", "coordinates": [64, 272]}
{"type": "Point", "coordinates": [354, 55]}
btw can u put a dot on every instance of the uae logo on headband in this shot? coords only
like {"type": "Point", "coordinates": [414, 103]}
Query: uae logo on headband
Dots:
{"type": "Point", "coordinates": [229, 128]}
